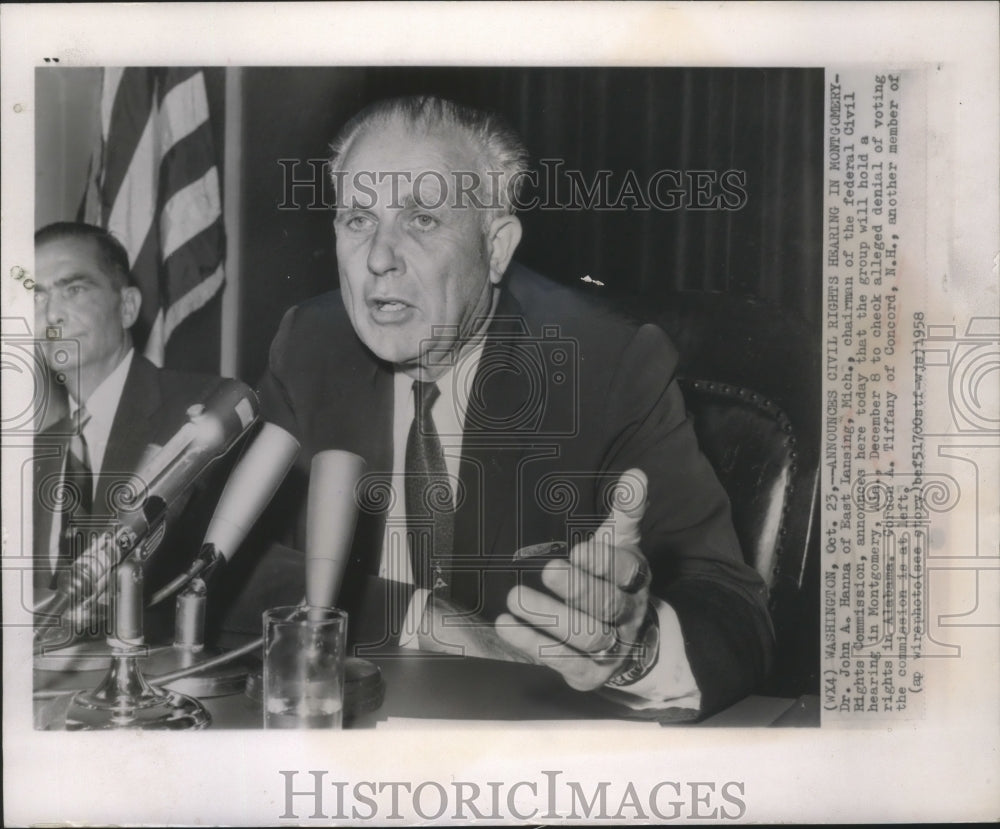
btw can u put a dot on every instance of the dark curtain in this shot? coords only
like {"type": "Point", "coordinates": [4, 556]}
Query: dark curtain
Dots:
{"type": "Point", "coordinates": [763, 123]}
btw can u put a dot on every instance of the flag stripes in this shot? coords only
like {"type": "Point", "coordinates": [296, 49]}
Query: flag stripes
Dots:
{"type": "Point", "coordinates": [154, 183]}
{"type": "Point", "coordinates": [183, 110]}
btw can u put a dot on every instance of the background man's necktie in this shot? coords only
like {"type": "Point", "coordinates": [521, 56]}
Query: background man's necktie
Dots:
{"type": "Point", "coordinates": [430, 512]}
{"type": "Point", "coordinates": [79, 480]}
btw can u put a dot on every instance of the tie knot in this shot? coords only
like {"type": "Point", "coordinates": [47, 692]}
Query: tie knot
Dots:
{"type": "Point", "coordinates": [78, 422]}
{"type": "Point", "coordinates": [424, 395]}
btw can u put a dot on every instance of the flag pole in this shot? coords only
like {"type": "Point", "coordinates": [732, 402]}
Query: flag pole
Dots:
{"type": "Point", "coordinates": [232, 203]}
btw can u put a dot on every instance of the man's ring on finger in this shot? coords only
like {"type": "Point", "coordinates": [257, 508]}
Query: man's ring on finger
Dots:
{"type": "Point", "coordinates": [640, 578]}
{"type": "Point", "coordinates": [609, 652]}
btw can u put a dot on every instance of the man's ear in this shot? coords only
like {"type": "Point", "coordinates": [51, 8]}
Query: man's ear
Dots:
{"type": "Point", "coordinates": [131, 302]}
{"type": "Point", "coordinates": [504, 236]}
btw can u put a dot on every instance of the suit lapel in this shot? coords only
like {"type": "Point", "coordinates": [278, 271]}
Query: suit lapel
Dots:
{"type": "Point", "coordinates": [366, 424]}
{"type": "Point", "coordinates": [131, 430]}
{"type": "Point", "coordinates": [49, 451]}
{"type": "Point", "coordinates": [496, 440]}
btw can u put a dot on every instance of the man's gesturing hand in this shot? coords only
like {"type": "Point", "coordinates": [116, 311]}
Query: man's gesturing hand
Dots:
{"type": "Point", "coordinates": [588, 632]}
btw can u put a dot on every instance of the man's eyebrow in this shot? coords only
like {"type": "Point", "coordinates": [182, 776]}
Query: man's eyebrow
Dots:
{"type": "Point", "coordinates": [434, 204]}
{"type": "Point", "coordinates": [408, 202]}
{"type": "Point", "coordinates": [355, 205]}
{"type": "Point", "coordinates": [73, 278]}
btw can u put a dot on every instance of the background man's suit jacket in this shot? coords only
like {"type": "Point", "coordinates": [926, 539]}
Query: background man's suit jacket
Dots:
{"type": "Point", "coordinates": [567, 396]}
{"type": "Point", "coordinates": [152, 408]}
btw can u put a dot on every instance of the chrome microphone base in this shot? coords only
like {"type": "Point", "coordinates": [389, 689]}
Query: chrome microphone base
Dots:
{"type": "Point", "coordinates": [125, 700]}
{"type": "Point", "coordinates": [85, 655]}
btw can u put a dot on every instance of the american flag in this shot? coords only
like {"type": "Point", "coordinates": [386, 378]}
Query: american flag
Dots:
{"type": "Point", "coordinates": [154, 183]}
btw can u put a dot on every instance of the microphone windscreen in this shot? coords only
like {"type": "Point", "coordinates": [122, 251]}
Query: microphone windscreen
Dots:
{"type": "Point", "coordinates": [250, 487]}
{"type": "Point", "coordinates": [332, 514]}
{"type": "Point", "coordinates": [212, 428]}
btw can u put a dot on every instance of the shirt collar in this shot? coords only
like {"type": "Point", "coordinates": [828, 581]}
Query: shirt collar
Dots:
{"type": "Point", "coordinates": [103, 401]}
{"type": "Point", "coordinates": [455, 386]}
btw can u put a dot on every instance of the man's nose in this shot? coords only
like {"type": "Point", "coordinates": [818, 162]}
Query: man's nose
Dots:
{"type": "Point", "coordinates": [383, 255]}
{"type": "Point", "coordinates": [54, 311]}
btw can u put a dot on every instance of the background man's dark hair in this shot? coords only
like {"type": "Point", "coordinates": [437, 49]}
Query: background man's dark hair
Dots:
{"type": "Point", "coordinates": [113, 256]}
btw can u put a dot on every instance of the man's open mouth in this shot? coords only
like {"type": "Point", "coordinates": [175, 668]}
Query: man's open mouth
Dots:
{"type": "Point", "coordinates": [390, 305]}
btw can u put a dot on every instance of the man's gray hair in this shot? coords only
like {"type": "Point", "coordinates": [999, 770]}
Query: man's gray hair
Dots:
{"type": "Point", "coordinates": [503, 159]}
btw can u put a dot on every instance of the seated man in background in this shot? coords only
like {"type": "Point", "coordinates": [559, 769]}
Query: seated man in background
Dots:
{"type": "Point", "coordinates": [502, 415]}
{"type": "Point", "coordinates": [116, 404]}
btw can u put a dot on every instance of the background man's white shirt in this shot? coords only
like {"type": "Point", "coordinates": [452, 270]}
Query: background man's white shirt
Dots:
{"type": "Point", "coordinates": [101, 407]}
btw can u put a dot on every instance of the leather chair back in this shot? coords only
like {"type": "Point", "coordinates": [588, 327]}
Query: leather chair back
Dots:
{"type": "Point", "coordinates": [751, 444]}
{"type": "Point", "coordinates": [750, 374]}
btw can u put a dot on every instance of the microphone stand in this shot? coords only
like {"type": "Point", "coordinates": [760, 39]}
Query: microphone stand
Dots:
{"type": "Point", "coordinates": [189, 651]}
{"type": "Point", "coordinates": [124, 699]}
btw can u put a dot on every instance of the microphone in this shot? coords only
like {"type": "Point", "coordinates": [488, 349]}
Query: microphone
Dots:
{"type": "Point", "coordinates": [148, 496]}
{"type": "Point", "coordinates": [330, 521]}
{"type": "Point", "coordinates": [212, 429]}
{"type": "Point", "coordinates": [332, 514]}
{"type": "Point", "coordinates": [251, 486]}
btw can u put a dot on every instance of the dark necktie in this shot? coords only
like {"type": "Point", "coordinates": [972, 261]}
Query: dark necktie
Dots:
{"type": "Point", "coordinates": [78, 480]}
{"type": "Point", "coordinates": [430, 513]}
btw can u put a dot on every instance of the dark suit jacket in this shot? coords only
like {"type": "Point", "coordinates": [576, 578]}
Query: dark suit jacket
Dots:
{"type": "Point", "coordinates": [567, 396]}
{"type": "Point", "coordinates": [152, 408]}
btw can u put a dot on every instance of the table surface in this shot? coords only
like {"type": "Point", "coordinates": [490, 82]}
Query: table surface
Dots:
{"type": "Point", "coordinates": [421, 686]}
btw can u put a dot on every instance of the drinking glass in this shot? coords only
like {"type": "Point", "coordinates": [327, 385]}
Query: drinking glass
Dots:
{"type": "Point", "coordinates": [304, 651]}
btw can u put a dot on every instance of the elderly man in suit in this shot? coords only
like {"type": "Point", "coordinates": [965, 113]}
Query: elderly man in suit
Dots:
{"type": "Point", "coordinates": [117, 404]}
{"type": "Point", "coordinates": [502, 416]}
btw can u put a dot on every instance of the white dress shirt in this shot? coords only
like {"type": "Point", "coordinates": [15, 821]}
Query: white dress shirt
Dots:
{"type": "Point", "coordinates": [101, 406]}
{"type": "Point", "coordinates": [448, 413]}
